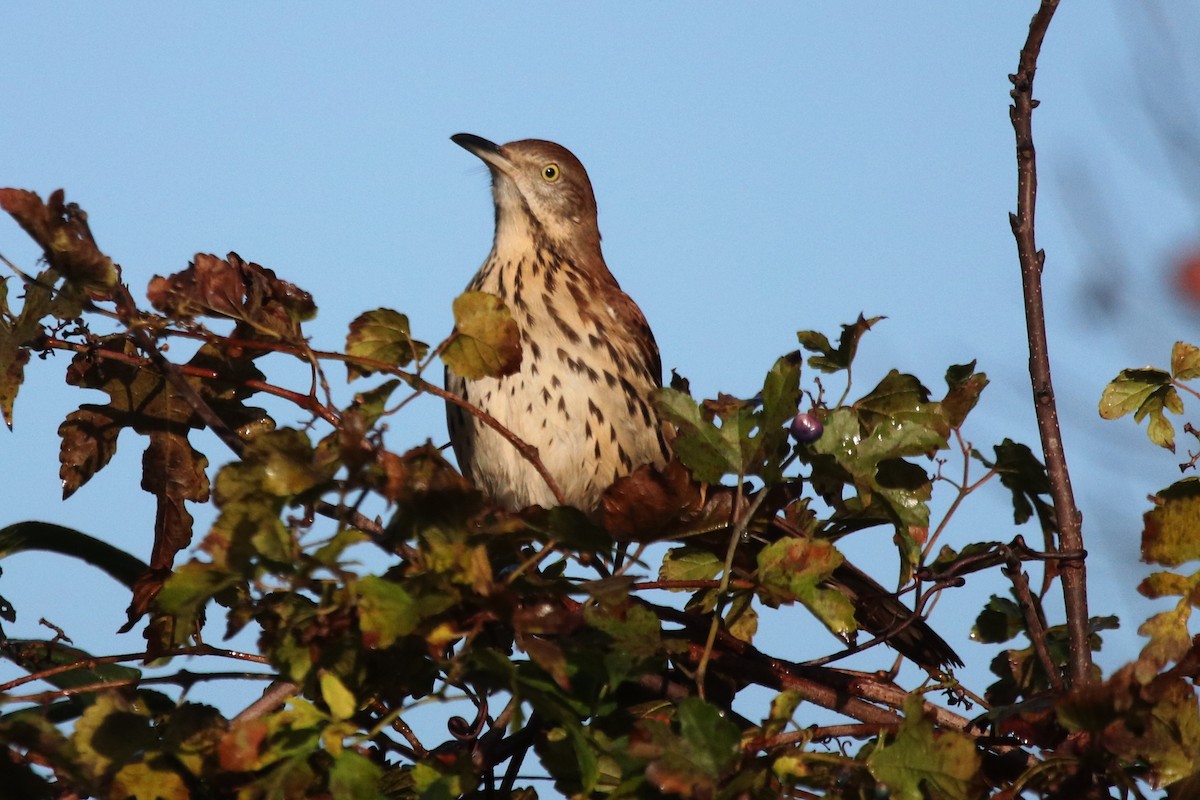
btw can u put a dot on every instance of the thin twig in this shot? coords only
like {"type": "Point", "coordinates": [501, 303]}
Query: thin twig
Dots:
{"type": "Point", "coordinates": [91, 662]}
{"type": "Point", "coordinates": [304, 401]}
{"type": "Point", "coordinates": [183, 678]}
{"type": "Point", "coordinates": [1034, 627]}
{"type": "Point", "coordinates": [726, 573]}
{"type": "Point", "coordinates": [819, 733]}
{"type": "Point", "coordinates": [526, 450]}
{"type": "Point", "coordinates": [1070, 521]}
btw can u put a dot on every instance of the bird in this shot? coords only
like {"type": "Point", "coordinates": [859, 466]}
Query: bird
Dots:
{"type": "Point", "coordinates": [583, 395]}
{"type": "Point", "coordinates": [590, 367]}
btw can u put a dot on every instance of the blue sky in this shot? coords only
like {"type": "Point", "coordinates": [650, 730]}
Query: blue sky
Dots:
{"type": "Point", "coordinates": [757, 172]}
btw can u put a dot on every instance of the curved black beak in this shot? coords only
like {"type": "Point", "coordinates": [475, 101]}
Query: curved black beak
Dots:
{"type": "Point", "coordinates": [476, 145]}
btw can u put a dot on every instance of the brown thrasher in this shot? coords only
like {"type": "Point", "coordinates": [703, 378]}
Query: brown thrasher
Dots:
{"type": "Point", "coordinates": [583, 396]}
{"type": "Point", "coordinates": [589, 364]}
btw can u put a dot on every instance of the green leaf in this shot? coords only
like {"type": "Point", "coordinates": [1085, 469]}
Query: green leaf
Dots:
{"type": "Point", "coordinates": [920, 763]}
{"type": "Point", "coordinates": [794, 570]}
{"type": "Point", "coordinates": [1023, 475]}
{"type": "Point", "coordinates": [638, 633]}
{"type": "Point", "coordinates": [783, 706]}
{"type": "Point", "coordinates": [434, 785]}
{"type": "Point", "coordinates": [741, 620]}
{"type": "Point", "coordinates": [355, 777]}
{"type": "Point", "coordinates": [780, 402]}
{"type": "Point", "coordinates": [1169, 529]}
{"type": "Point", "coordinates": [689, 564]}
{"type": "Point", "coordinates": [286, 457]}
{"type": "Point", "coordinates": [486, 342]}
{"type": "Point", "coordinates": [714, 739]}
{"type": "Point", "coordinates": [385, 611]}
{"type": "Point", "coordinates": [831, 359]}
{"type": "Point", "coordinates": [707, 451]}
{"type": "Point", "coordinates": [186, 592]}
{"type": "Point", "coordinates": [110, 732]}
{"type": "Point", "coordinates": [1144, 392]}
{"type": "Point", "coordinates": [1000, 620]}
{"type": "Point", "coordinates": [692, 763]}
{"type": "Point", "coordinates": [341, 701]}
{"type": "Point", "coordinates": [149, 780]}
{"type": "Point", "coordinates": [370, 405]}
{"type": "Point", "coordinates": [901, 399]}
{"type": "Point", "coordinates": [1130, 390]}
{"type": "Point", "coordinates": [888, 487]}
{"type": "Point", "coordinates": [1185, 361]}
{"type": "Point", "coordinates": [572, 528]}
{"type": "Point", "coordinates": [381, 335]}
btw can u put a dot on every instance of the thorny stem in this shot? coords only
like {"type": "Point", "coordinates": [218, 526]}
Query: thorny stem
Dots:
{"type": "Point", "coordinates": [1032, 260]}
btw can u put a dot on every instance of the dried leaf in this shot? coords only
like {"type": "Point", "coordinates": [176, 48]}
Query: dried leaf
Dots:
{"type": "Point", "coordinates": [89, 441]}
{"type": "Point", "coordinates": [61, 230]}
{"type": "Point", "coordinates": [262, 304]}
{"type": "Point", "coordinates": [174, 473]}
{"type": "Point", "coordinates": [1185, 361]}
{"type": "Point", "coordinates": [964, 388]}
{"type": "Point", "coordinates": [640, 506]}
{"type": "Point", "coordinates": [1169, 532]}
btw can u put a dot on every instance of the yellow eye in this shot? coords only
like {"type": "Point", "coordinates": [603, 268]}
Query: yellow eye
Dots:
{"type": "Point", "coordinates": [551, 172]}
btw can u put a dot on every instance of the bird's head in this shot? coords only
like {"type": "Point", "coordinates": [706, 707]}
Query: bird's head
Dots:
{"type": "Point", "coordinates": [541, 186]}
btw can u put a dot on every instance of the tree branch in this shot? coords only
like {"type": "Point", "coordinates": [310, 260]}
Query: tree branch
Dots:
{"type": "Point", "coordinates": [1070, 521]}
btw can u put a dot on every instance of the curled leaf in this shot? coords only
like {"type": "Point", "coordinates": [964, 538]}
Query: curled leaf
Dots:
{"type": "Point", "coordinates": [263, 305]}
{"type": "Point", "coordinates": [61, 230]}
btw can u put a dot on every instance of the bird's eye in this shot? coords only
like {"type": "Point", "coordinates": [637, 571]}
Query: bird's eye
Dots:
{"type": "Point", "coordinates": [551, 172]}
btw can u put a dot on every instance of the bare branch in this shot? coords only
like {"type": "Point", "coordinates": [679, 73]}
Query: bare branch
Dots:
{"type": "Point", "coordinates": [1070, 521]}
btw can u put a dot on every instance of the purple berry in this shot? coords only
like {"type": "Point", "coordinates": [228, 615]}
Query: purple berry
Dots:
{"type": "Point", "coordinates": [806, 428]}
